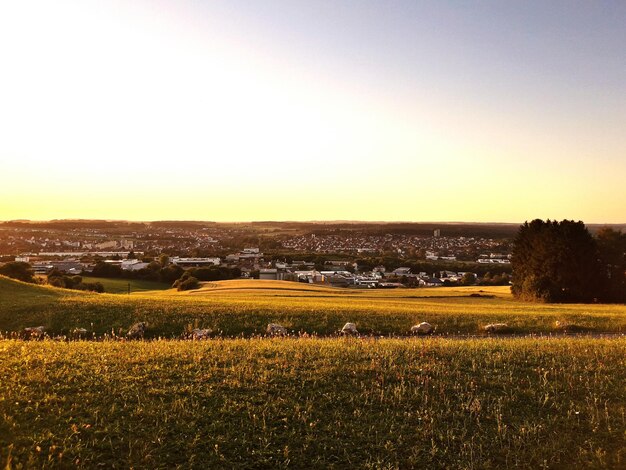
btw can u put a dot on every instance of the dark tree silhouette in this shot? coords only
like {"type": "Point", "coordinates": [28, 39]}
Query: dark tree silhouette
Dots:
{"type": "Point", "coordinates": [18, 270]}
{"type": "Point", "coordinates": [556, 262]}
{"type": "Point", "coordinates": [612, 245]}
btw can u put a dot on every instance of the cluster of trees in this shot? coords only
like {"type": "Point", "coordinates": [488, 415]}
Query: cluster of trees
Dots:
{"type": "Point", "coordinates": [392, 262]}
{"type": "Point", "coordinates": [469, 279]}
{"type": "Point", "coordinates": [490, 279]}
{"type": "Point", "coordinates": [18, 270]}
{"type": "Point", "coordinates": [23, 272]}
{"type": "Point", "coordinates": [191, 278]}
{"type": "Point", "coordinates": [562, 262]}
{"type": "Point", "coordinates": [168, 273]}
{"type": "Point", "coordinates": [58, 279]}
{"type": "Point", "coordinates": [161, 271]}
{"type": "Point", "coordinates": [214, 273]}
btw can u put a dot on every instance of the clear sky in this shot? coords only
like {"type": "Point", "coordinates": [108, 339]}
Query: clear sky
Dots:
{"type": "Point", "coordinates": [313, 110]}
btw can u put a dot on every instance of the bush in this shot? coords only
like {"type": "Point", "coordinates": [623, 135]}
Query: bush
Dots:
{"type": "Point", "coordinates": [188, 283]}
{"type": "Point", "coordinates": [215, 273]}
{"type": "Point", "coordinates": [18, 270]}
{"type": "Point", "coordinates": [57, 279]}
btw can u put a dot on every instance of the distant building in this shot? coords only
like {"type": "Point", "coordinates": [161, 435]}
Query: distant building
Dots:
{"type": "Point", "coordinates": [42, 267]}
{"type": "Point", "coordinates": [103, 254]}
{"type": "Point", "coordinates": [310, 276]}
{"type": "Point", "coordinates": [133, 265]}
{"type": "Point", "coordinates": [269, 274]}
{"type": "Point", "coordinates": [401, 271]}
{"type": "Point", "coordinates": [437, 232]}
{"type": "Point", "coordinates": [195, 262]}
{"type": "Point", "coordinates": [338, 263]}
{"type": "Point", "coordinates": [106, 245]}
{"type": "Point", "coordinates": [127, 244]}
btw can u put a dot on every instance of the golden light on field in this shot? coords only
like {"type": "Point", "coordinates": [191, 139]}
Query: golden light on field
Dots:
{"type": "Point", "coordinates": [174, 110]}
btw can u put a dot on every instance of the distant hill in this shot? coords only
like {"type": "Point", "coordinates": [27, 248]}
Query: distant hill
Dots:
{"type": "Point", "coordinates": [448, 229]}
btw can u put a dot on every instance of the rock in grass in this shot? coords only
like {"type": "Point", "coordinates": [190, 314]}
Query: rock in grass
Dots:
{"type": "Point", "coordinates": [274, 329]}
{"type": "Point", "coordinates": [423, 328]}
{"type": "Point", "coordinates": [34, 332]}
{"type": "Point", "coordinates": [497, 328]}
{"type": "Point", "coordinates": [201, 333]}
{"type": "Point", "coordinates": [137, 331]}
{"type": "Point", "coordinates": [349, 329]}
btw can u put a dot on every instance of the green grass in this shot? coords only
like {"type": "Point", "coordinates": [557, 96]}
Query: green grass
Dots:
{"type": "Point", "coordinates": [246, 307]}
{"type": "Point", "coordinates": [314, 403]}
{"type": "Point", "coordinates": [120, 286]}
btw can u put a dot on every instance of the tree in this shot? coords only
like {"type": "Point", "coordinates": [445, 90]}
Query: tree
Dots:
{"type": "Point", "coordinates": [18, 270]}
{"type": "Point", "coordinates": [612, 247]}
{"type": "Point", "coordinates": [102, 269]}
{"type": "Point", "coordinates": [556, 262]}
{"type": "Point", "coordinates": [170, 273]}
{"type": "Point", "coordinates": [469, 279]}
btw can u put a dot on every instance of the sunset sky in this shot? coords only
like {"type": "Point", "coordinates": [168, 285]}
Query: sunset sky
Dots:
{"type": "Point", "coordinates": [313, 110]}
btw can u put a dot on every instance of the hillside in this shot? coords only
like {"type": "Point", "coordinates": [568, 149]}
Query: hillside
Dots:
{"type": "Point", "coordinates": [314, 403]}
{"type": "Point", "coordinates": [246, 307]}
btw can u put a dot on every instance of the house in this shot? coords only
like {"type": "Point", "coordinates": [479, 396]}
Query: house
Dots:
{"type": "Point", "coordinates": [269, 274]}
{"type": "Point", "coordinates": [339, 279]}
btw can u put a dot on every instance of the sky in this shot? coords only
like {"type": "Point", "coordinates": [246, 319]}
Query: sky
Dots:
{"type": "Point", "coordinates": [395, 110]}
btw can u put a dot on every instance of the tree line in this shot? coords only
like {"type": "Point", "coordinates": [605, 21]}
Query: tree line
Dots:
{"type": "Point", "coordinates": [562, 262]}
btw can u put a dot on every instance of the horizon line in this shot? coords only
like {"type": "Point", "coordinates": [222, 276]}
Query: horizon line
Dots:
{"type": "Point", "coordinates": [334, 221]}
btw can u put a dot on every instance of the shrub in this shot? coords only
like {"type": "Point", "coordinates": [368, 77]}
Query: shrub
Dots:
{"type": "Point", "coordinates": [188, 283]}
{"type": "Point", "coordinates": [18, 270]}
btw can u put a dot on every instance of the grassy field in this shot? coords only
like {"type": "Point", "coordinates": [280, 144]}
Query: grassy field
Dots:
{"type": "Point", "coordinates": [120, 286]}
{"type": "Point", "coordinates": [314, 403]}
{"type": "Point", "coordinates": [246, 307]}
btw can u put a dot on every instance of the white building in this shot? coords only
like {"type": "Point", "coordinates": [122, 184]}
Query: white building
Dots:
{"type": "Point", "coordinates": [195, 262]}
{"type": "Point", "coordinates": [133, 265]}
{"type": "Point", "coordinates": [106, 245]}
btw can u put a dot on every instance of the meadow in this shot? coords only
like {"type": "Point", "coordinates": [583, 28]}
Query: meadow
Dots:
{"type": "Point", "coordinates": [122, 286]}
{"type": "Point", "coordinates": [314, 403]}
{"type": "Point", "coordinates": [245, 307]}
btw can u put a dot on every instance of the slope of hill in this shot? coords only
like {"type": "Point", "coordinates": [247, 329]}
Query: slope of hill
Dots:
{"type": "Point", "coordinates": [246, 307]}
{"type": "Point", "coordinates": [314, 403]}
